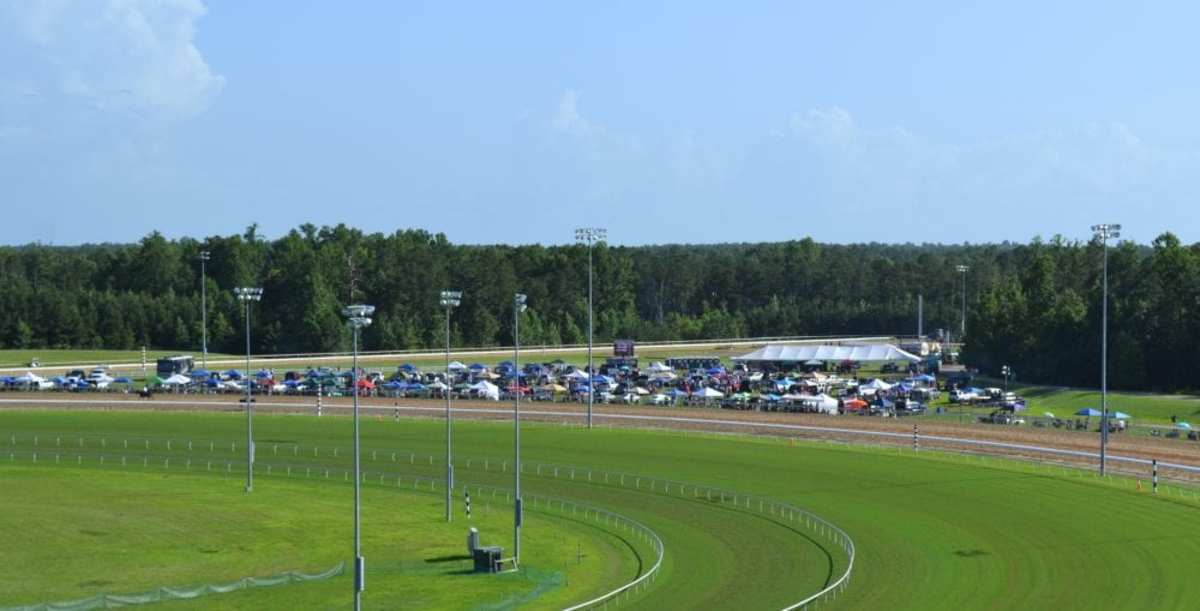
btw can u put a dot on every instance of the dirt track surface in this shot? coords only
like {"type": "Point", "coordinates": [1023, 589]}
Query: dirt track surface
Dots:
{"type": "Point", "coordinates": [732, 421]}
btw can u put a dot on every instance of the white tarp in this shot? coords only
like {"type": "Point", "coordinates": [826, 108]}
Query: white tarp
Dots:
{"type": "Point", "coordinates": [800, 353]}
{"type": "Point", "coordinates": [708, 393]}
{"type": "Point", "coordinates": [657, 367]}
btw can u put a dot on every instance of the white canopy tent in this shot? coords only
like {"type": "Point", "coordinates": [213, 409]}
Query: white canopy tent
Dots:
{"type": "Point", "coordinates": [708, 393]}
{"type": "Point", "coordinates": [177, 380]}
{"type": "Point", "coordinates": [803, 353]}
{"type": "Point", "coordinates": [876, 384]}
{"type": "Point", "coordinates": [487, 390]}
{"type": "Point", "coordinates": [823, 403]}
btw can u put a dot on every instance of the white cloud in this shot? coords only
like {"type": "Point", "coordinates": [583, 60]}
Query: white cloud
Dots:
{"type": "Point", "coordinates": [117, 56]}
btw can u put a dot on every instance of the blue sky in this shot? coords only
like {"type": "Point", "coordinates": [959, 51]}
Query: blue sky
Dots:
{"type": "Point", "coordinates": [663, 122]}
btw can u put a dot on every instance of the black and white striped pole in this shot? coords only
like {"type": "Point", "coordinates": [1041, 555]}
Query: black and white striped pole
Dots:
{"type": "Point", "coordinates": [1154, 474]}
{"type": "Point", "coordinates": [467, 497]}
{"type": "Point", "coordinates": [916, 443]}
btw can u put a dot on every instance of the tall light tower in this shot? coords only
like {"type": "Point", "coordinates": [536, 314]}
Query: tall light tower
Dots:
{"type": "Point", "coordinates": [962, 270]}
{"type": "Point", "coordinates": [589, 236]}
{"type": "Point", "coordinates": [518, 307]}
{"type": "Point", "coordinates": [358, 318]}
{"type": "Point", "coordinates": [449, 300]}
{"type": "Point", "coordinates": [1104, 233]}
{"type": "Point", "coordinates": [246, 295]}
{"type": "Point", "coordinates": [204, 254]}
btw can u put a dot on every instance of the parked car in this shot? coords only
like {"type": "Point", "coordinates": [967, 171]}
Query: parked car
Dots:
{"type": "Point", "coordinates": [963, 396]}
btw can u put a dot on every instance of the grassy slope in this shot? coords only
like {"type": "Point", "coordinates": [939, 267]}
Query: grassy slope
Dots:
{"type": "Point", "coordinates": [152, 530]}
{"type": "Point", "coordinates": [932, 533]}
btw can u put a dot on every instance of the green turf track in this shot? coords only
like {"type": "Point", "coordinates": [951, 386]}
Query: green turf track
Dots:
{"type": "Point", "coordinates": [129, 531]}
{"type": "Point", "coordinates": [932, 532]}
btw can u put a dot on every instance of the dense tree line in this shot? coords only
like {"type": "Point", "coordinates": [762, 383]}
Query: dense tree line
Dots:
{"type": "Point", "coordinates": [1034, 306]}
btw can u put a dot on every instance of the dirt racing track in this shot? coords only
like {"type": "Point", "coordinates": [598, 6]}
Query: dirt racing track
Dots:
{"type": "Point", "coordinates": [1128, 455]}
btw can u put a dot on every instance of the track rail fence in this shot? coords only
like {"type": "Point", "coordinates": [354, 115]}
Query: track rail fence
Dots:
{"type": "Point", "coordinates": [228, 457]}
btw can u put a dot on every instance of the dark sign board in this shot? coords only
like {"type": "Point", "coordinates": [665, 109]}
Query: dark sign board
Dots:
{"type": "Point", "coordinates": [623, 347]}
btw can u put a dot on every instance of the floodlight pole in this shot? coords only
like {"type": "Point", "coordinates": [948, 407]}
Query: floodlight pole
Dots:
{"type": "Point", "coordinates": [589, 236]}
{"type": "Point", "coordinates": [1104, 232]}
{"type": "Point", "coordinates": [203, 310]}
{"type": "Point", "coordinates": [962, 270]}
{"type": "Point", "coordinates": [449, 300]}
{"type": "Point", "coordinates": [247, 295]}
{"type": "Point", "coordinates": [518, 307]}
{"type": "Point", "coordinates": [358, 318]}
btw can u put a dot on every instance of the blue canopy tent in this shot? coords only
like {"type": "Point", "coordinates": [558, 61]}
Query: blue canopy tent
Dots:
{"type": "Point", "coordinates": [715, 371]}
{"type": "Point", "coordinates": [292, 383]}
{"type": "Point", "coordinates": [200, 373]}
{"type": "Point", "coordinates": [1088, 412]}
{"type": "Point", "coordinates": [233, 374]}
{"type": "Point", "coordinates": [59, 380]}
{"type": "Point", "coordinates": [925, 378]}
{"type": "Point", "coordinates": [262, 373]}
{"type": "Point", "coordinates": [393, 385]}
{"type": "Point", "coordinates": [675, 392]}
{"type": "Point", "coordinates": [476, 367]}
{"type": "Point", "coordinates": [582, 389]}
{"type": "Point", "coordinates": [122, 380]}
{"type": "Point", "coordinates": [82, 385]}
{"type": "Point", "coordinates": [409, 367]}
{"type": "Point", "coordinates": [211, 383]}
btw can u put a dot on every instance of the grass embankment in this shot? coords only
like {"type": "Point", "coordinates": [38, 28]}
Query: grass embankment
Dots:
{"type": "Point", "coordinates": [932, 532]}
{"type": "Point", "coordinates": [74, 533]}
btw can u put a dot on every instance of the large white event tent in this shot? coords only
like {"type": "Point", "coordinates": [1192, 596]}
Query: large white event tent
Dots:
{"type": "Point", "coordinates": [802, 353]}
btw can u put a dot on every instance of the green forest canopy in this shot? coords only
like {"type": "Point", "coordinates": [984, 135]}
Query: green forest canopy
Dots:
{"type": "Point", "coordinates": [1034, 306]}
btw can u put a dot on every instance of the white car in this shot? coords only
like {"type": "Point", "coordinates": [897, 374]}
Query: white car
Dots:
{"type": "Point", "coordinates": [963, 396]}
{"type": "Point", "coordinates": [99, 378]}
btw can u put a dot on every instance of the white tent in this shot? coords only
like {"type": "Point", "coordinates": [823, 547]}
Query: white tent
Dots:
{"type": "Point", "coordinates": [876, 384]}
{"type": "Point", "coordinates": [577, 375]}
{"type": "Point", "coordinates": [657, 367]}
{"type": "Point", "coordinates": [456, 366]}
{"type": "Point", "coordinates": [34, 380]}
{"type": "Point", "coordinates": [823, 403]}
{"type": "Point", "coordinates": [438, 385]}
{"type": "Point", "coordinates": [800, 353]}
{"type": "Point", "coordinates": [708, 393]}
{"type": "Point", "coordinates": [487, 390]}
{"type": "Point", "coordinates": [29, 378]}
{"type": "Point", "coordinates": [177, 380]}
